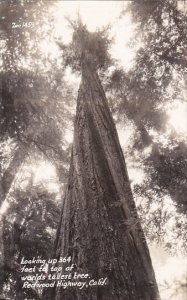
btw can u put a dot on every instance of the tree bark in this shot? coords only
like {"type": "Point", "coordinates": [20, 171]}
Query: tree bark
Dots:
{"type": "Point", "coordinates": [99, 227]}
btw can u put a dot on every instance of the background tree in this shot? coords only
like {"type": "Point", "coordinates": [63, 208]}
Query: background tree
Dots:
{"type": "Point", "coordinates": [28, 231]}
{"type": "Point", "coordinates": [30, 120]}
{"type": "Point", "coordinates": [24, 108]}
{"type": "Point", "coordinates": [155, 82]}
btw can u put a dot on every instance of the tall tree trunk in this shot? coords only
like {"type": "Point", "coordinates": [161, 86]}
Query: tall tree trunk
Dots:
{"type": "Point", "coordinates": [99, 227]}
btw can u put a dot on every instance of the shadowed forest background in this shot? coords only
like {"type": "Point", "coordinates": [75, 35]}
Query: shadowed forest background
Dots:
{"type": "Point", "coordinates": [141, 50]}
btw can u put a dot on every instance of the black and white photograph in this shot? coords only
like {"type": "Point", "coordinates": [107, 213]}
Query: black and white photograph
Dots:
{"type": "Point", "coordinates": [93, 150]}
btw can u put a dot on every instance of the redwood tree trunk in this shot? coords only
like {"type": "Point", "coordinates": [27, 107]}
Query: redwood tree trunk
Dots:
{"type": "Point", "coordinates": [99, 227]}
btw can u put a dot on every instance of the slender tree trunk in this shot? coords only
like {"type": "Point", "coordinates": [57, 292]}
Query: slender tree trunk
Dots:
{"type": "Point", "coordinates": [145, 138]}
{"type": "Point", "coordinates": [9, 175]}
{"type": "Point", "coordinates": [176, 187]}
{"type": "Point", "coordinates": [99, 227]}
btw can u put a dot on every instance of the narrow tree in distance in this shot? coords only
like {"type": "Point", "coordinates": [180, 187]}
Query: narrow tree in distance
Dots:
{"type": "Point", "coordinates": [99, 227]}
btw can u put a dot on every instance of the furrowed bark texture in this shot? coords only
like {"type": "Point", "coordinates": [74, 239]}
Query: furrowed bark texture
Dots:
{"type": "Point", "coordinates": [99, 227]}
